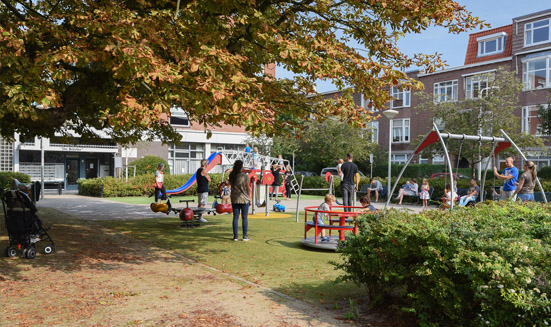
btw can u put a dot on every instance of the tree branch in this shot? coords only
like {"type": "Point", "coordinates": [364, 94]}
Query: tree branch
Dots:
{"type": "Point", "coordinates": [14, 10]}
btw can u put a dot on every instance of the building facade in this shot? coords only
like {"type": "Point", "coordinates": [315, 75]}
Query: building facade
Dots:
{"type": "Point", "coordinates": [523, 47]}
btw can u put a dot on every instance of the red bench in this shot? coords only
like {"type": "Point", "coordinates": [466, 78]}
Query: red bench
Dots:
{"type": "Point", "coordinates": [339, 217]}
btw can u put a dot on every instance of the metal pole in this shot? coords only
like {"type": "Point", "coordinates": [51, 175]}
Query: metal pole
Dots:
{"type": "Point", "coordinates": [389, 193]}
{"type": "Point", "coordinates": [41, 169]}
{"type": "Point", "coordinates": [298, 195]}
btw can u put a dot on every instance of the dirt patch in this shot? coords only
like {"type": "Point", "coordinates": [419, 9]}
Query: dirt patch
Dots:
{"type": "Point", "coordinates": [102, 278]}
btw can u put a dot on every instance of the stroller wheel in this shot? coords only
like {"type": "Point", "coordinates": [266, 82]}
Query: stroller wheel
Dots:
{"type": "Point", "coordinates": [29, 253]}
{"type": "Point", "coordinates": [49, 249]}
{"type": "Point", "coordinates": [10, 252]}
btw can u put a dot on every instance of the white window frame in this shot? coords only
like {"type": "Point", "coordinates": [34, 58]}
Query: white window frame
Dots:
{"type": "Point", "coordinates": [500, 39]}
{"type": "Point", "coordinates": [478, 79]}
{"type": "Point", "coordinates": [405, 136]}
{"type": "Point", "coordinates": [529, 32]}
{"type": "Point", "coordinates": [179, 113]}
{"type": "Point", "coordinates": [373, 128]}
{"type": "Point", "coordinates": [438, 160]}
{"type": "Point", "coordinates": [400, 161]}
{"type": "Point", "coordinates": [400, 95]}
{"type": "Point", "coordinates": [528, 114]}
{"type": "Point", "coordinates": [445, 86]}
{"type": "Point", "coordinates": [525, 72]}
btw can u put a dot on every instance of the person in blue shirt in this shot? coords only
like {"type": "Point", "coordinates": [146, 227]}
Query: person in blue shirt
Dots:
{"type": "Point", "coordinates": [247, 148]}
{"type": "Point", "coordinates": [510, 176]}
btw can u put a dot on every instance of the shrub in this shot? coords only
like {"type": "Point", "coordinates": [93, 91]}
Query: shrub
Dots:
{"type": "Point", "coordinates": [7, 176]}
{"type": "Point", "coordinates": [486, 266]}
{"type": "Point", "coordinates": [545, 173]}
{"type": "Point", "coordinates": [148, 165]}
{"type": "Point", "coordinates": [415, 170]}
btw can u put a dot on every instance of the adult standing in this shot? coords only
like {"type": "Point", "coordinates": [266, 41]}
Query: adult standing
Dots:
{"type": "Point", "coordinates": [203, 180]}
{"type": "Point", "coordinates": [287, 180]}
{"type": "Point", "coordinates": [159, 183]}
{"type": "Point", "coordinates": [510, 176]}
{"type": "Point", "coordinates": [277, 183]}
{"type": "Point", "coordinates": [240, 200]}
{"type": "Point", "coordinates": [348, 184]}
{"type": "Point", "coordinates": [527, 182]}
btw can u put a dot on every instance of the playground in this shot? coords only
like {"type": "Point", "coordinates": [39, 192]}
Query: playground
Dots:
{"type": "Point", "coordinates": [106, 268]}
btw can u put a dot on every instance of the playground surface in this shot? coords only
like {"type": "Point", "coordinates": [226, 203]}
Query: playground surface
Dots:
{"type": "Point", "coordinates": [118, 276]}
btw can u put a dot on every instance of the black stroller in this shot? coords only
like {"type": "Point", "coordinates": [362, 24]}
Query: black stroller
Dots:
{"type": "Point", "coordinates": [23, 225]}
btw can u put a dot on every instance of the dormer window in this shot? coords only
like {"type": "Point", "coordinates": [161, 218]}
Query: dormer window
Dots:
{"type": "Point", "coordinates": [491, 44]}
{"type": "Point", "coordinates": [536, 32]}
{"type": "Point", "coordinates": [178, 117]}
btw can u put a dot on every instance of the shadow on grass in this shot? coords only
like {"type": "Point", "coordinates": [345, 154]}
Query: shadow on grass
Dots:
{"type": "Point", "coordinates": [83, 245]}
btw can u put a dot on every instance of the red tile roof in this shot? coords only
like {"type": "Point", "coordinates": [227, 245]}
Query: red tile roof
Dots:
{"type": "Point", "coordinates": [472, 48]}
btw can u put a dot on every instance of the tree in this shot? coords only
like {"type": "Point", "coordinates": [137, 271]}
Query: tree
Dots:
{"type": "Point", "coordinates": [544, 117]}
{"type": "Point", "coordinates": [119, 66]}
{"type": "Point", "coordinates": [324, 142]}
{"type": "Point", "coordinates": [486, 115]}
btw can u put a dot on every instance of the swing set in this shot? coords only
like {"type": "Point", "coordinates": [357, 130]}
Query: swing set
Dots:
{"type": "Point", "coordinates": [498, 145]}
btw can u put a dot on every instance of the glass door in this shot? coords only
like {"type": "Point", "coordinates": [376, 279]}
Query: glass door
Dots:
{"type": "Point", "coordinates": [71, 173]}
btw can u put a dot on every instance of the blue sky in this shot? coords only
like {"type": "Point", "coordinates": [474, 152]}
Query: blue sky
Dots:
{"type": "Point", "coordinates": [452, 47]}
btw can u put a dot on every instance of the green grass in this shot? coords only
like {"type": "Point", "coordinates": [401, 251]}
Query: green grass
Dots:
{"type": "Point", "coordinates": [274, 257]}
{"type": "Point", "coordinates": [148, 200]}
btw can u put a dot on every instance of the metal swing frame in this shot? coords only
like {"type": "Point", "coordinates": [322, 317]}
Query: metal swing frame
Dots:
{"type": "Point", "coordinates": [499, 144]}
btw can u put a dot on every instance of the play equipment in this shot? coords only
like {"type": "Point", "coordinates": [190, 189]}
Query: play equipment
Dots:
{"type": "Point", "coordinates": [186, 214]}
{"type": "Point", "coordinates": [160, 207]}
{"type": "Point", "coordinates": [224, 208]}
{"type": "Point", "coordinates": [278, 207]}
{"type": "Point", "coordinates": [498, 145]}
{"type": "Point", "coordinates": [213, 160]}
{"type": "Point", "coordinates": [329, 189]}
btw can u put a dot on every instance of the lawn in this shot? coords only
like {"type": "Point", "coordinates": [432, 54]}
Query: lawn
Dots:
{"type": "Point", "coordinates": [274, 257]}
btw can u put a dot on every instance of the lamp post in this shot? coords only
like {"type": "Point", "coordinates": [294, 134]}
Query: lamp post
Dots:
{"type": "Point", "coordinates": [389, 114]}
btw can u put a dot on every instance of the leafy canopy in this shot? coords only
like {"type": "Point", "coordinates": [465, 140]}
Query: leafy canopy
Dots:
{"type": "Point", "coordinates": [119, 66]}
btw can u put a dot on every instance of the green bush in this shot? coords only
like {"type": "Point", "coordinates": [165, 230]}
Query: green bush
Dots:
{"type": "Point", "coordinates": [485, 266]}
{"type": "Point", "coordinates": [148, 165]}
{"type": "Point", "coordinates": [7, 176]}
{"type": "Point", "coordinates": [140, 185]}
{"type": "Point", "coordinates": [545, 173]}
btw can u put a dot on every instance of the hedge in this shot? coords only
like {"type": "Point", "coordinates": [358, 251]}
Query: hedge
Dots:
{"type": "Point", "coordinates": [415, 170]}
{"type": "Point", "coordinates": [483, 266]}
{"type": "Point", "coordinates": [7, 176]}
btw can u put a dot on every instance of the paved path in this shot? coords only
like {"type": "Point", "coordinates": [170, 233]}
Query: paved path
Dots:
{"type": "Point", "coordinates": [90, 208]}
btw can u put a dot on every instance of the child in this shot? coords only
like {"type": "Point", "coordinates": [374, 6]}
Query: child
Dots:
{"type": "Point", "coordinates": [424, 195]}
{"type": "Point", "coordinates": [449, 196]}
{"type": "Point", "coordinates": [368, 207]}
{"type": "Point", "coordinates": [325, 206]}
{"type": "Point", "coordinates": [226, 189]}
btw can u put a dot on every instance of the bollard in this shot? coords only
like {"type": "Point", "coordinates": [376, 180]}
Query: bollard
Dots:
{"type": "Point", "coordinates": [59, 188]}
{"type": "Point", "coordinates": [101, 191]}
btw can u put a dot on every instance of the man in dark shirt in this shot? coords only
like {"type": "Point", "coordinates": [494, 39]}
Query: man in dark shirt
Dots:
{"type": "Point", "coordinates": [348, 185]}
{"type": "Point", "coordinates": [203, 180]}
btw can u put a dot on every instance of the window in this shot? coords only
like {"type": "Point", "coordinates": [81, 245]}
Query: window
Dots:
{"type": "Point", "coordinates": [491, 44]}
{"type": "Point", "coordinates": [445, 91]}
{"type": "Point", "coordinates": [476, 86]}
{"type": "Point", "coordinates": [530, 121]}
{"type": "Point", "coordinates": [399, 159]}
{"type": "Point", "coordinates": [536, 32]}
{"type": "Point", "coordinates": [185, 158]}
{"type": "Point", "coordinates": [401, 97]}
{"type": "Point", "coordinates": [438, 160]}
{"type": "Point", "coordinates": [400, 131]}
{"type": "Point", "coordinates": [179, 117]}
{"type": "Point", "coordinates": [373, 129]}
{"type": "Point", "coordinates": [535, 73]}
{"type": "Point", "coordinates": [6, 155]}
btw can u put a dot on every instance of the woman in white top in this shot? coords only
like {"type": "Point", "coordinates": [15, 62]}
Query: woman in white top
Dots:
{"type": "Point", "coordinates": [159, 183]}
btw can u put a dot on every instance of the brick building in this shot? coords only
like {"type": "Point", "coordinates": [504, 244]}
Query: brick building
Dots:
{"type": "Point", "coordinates": [523, 47]}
